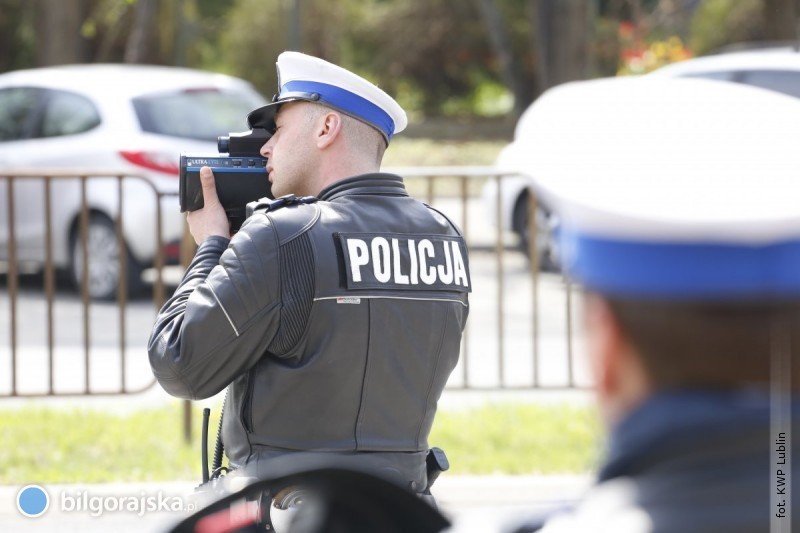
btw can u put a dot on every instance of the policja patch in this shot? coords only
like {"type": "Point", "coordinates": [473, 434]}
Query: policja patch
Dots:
{"type": "Point", "coordinates": [405, 262]}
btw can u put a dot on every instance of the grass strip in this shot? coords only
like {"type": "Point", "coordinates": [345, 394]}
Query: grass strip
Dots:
{"type": "Point", "coordinates": [51, 445]}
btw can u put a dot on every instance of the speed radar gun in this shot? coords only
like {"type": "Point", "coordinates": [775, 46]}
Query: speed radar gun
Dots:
{"type": "Point", "coordinates": [239, 172]}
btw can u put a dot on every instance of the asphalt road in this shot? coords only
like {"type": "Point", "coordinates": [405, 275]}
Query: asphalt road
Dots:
{"type": "Point", "coordinates": [480, 367]}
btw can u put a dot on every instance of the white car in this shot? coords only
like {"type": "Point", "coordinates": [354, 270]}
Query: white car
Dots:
{"type": "Point", "coordinates": [777, 69]}
{"type": "Point", "coordinates": [136, 119]}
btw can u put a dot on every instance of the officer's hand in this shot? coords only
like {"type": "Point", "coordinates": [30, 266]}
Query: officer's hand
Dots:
{"type": "Point", "coordinates": [211, 219]}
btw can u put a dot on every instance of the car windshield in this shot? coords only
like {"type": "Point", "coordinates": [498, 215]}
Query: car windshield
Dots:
{"type": "Point", "coordinates": [202, 114]}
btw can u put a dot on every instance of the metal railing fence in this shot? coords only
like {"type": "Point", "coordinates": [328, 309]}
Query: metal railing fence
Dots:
{"type": "Point", "coordinates": [462, 198]}
{"type": "Point", "coordinates": [9, 180]}
{"type": "Point", "coordinates": [467, 177]}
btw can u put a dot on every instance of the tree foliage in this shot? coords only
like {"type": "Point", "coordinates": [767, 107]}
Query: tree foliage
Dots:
{"type": "Point", "coordinates": [435, 50]}
{"type": "Point", "coordinates": [17, 36]}
{"type": "Point", "coordinates": [437, 56]}
{"type": "Point", "coordinates": [719, 23]}
{"type": "Point", "coordinates": [429, 53]}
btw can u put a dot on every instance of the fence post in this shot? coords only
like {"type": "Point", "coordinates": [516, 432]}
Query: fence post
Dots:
{"type": "Point", "coordinates": [533, 256]}
{"type": "Point", "coordinates": [188, 249]}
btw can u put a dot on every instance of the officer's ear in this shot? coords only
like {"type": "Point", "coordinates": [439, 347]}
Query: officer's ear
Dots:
{"type": "Point", "coordinates": [620, 379]}
{"type": "Point", "coordinates": [328, 129]}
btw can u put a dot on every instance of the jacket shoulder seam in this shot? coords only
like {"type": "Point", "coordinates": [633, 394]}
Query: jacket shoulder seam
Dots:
{"type": "Point", "coordinates": [447, 218]}
{"type": "Point", "coordinates": [299, 223]}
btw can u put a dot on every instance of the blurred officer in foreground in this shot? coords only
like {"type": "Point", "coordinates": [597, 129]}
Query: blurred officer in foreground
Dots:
{"type": "Point", "coordinates": [679, 203]}
{"type": "Point", "coordinates": [334, 317]}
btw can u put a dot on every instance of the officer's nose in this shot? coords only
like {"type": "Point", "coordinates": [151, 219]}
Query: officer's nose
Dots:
{"type": "Point", "coordinates": [266, 150]}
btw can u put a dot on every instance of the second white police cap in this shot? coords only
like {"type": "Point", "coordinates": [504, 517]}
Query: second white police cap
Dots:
{"type": "Point", "coordinates": [670, 188]}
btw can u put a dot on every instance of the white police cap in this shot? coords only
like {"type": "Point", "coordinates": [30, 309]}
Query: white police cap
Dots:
{"type": "Point", "coordinates": [670, 188]}
{"type": "Point", "coordinates": [304, 77]}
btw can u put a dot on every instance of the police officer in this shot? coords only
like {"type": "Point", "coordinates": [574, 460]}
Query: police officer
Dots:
{"type": "Point", "coordinates": [334, 321]}
{"type": "Point", "coordinates": [679, 212]}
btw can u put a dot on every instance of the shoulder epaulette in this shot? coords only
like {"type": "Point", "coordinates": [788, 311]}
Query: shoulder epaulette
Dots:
{"type": "Point", "coordinates": [265, 205]}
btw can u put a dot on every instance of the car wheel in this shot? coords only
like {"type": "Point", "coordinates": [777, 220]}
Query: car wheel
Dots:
{"type": "Point", "coordinates": [103, 251]}
{"type": "Point", "coordinates": [545, 239]}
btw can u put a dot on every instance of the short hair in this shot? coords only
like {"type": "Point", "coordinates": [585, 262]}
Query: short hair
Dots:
{"type": "Point", "coordinates": [366, 137]}
{"type": "Point", "coordinates": [726, 345]}
{"type": "Point", "coordinates": [361, 135]}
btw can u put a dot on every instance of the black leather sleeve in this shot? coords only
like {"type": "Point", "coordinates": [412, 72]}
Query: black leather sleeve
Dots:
{"type": "Point", "coordinates": [223, 315]}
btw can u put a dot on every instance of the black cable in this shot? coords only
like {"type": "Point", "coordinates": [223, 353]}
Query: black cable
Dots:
{"type": "Point", "coordinates": [219, 447]}
{"type": "Point", "coordinates": [204, 444]}
{"type": "Point", "coordinates": [219, 471]}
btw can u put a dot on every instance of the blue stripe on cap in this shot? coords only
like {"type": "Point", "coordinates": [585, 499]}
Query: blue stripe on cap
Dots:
{"type": "Point", "coordinates": [681, 270]}
{"type": "Point", "coordinates": [346, 101]}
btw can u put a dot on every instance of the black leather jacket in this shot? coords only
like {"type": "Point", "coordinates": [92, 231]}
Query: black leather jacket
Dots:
{"type": "Point", "coordinates": [336, 324]}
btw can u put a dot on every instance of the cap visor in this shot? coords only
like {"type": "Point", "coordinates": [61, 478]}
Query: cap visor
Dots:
{"type": "Point", "coordinates": [264, 117]}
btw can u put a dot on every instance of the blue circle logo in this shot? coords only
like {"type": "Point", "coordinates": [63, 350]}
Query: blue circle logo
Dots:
{"type": "Point", "coordinates": [32, 501]}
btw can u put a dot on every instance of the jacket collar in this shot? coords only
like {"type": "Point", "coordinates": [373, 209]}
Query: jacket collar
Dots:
{"type": "Point", "coordinates": [372, 184]}
{"type": "Point", "coordinates": [672, 426]}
